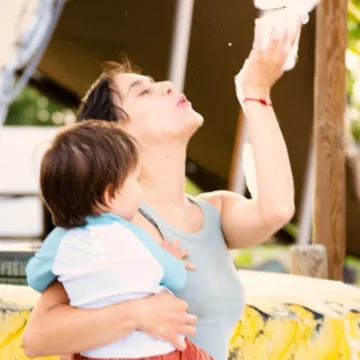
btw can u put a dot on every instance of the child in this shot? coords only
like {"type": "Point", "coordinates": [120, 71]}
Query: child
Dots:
{"type": "Point", "coordinates": [89, 182]}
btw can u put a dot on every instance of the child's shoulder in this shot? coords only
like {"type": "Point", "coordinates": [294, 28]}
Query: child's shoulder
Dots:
{"type": "Point", "coordinates": [58, 234]}
{"type": "Point", "coordinates": [78, 233]}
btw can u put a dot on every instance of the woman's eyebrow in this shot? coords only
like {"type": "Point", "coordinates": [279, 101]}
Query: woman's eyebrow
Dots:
{"type": "Point", "coordinates": [140, 82]}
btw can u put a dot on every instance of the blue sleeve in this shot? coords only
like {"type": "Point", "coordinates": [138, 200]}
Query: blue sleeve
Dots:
{"type": "Point", "coordinates": [174, 269]}
{"type": "Point", "coordinates": [39, 268]}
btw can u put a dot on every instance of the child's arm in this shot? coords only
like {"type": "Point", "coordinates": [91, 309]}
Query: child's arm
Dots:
{"type": "Point", "coordinates": [39, 268]}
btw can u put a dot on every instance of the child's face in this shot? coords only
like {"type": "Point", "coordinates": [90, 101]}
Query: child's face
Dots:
{"type": "Point", "coordinates": [126, 200]}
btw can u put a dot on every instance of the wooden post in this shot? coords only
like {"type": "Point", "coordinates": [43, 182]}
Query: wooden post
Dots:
{"type": "Point", "coordinates": [309, 260]}
{"type": "Point", "coordinates": [330, 102]}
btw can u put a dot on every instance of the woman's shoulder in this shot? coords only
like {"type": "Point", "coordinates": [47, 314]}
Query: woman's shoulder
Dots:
{"type": "Point", "coordinates": [213, 198]}
{"type": "Point", "coordinates": [220, 197]}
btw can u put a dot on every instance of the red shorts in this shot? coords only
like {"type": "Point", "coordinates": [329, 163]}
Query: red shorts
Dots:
{"type": "Point", "coordinates": [191, 352]}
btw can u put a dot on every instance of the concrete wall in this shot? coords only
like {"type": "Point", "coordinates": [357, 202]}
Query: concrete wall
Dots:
{"type": "Point", "coordinates": [286, 318]}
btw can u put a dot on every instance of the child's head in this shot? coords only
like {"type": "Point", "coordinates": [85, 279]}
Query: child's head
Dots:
{"type": "Point", "coordinates": [90, 168]}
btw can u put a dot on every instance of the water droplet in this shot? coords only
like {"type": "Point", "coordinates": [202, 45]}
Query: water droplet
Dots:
{"type": "Point", "coordinates": [230, 44]}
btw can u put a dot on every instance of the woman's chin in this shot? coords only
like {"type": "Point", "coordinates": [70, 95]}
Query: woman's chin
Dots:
{"type": "Point", "coordinates": [195, 124]}
{"type": "Point", "coordinates": [198, 119]}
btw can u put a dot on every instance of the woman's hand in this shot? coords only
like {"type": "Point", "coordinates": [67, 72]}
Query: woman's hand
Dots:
{"type": "Point", "coordinates": [173, 247]}
{"type": "Point", "coordinates": [265, 64]}
{"type": "Point", "coordinates": [55, 327]}
{"type": "Point", "coordinates": [165, 317]}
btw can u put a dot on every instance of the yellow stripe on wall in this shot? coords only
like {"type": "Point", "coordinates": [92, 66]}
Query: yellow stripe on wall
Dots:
{"type": "Point", "coordinates": [12, 324]}
{"type": "Point", "coordinates": [295, 332]}
{"type": "Point", "coordinates": [286, 318]}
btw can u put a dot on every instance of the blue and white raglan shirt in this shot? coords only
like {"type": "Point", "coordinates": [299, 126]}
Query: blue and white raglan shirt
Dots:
{"type": "Point", "coordinates": [103, 263]}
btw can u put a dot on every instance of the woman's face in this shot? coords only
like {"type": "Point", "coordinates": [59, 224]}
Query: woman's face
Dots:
{"type": "Point", "coordinates": [157, 113]}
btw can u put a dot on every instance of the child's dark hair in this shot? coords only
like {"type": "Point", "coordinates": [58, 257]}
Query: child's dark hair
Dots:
{"type": "Point", "coordinates": [84, 161]}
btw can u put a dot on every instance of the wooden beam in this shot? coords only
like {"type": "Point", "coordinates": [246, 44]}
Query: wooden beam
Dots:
{"type": "Point", "coordinates": [309, 260]}
{"type": "Point", "coordinates": [330, 103]}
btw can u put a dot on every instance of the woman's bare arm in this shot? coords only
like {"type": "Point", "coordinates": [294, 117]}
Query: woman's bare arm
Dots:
{"type": "Point", "coordinates": [250, 222]}
{"type": "Point", "coordinates": [57, 328]}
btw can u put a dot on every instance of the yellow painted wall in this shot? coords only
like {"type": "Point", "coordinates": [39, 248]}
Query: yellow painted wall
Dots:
{"type": "Point", "coordinates": [287, 318]}
{"type": "Point", "coordinates": [295, 332]}
{"type": "Point", "coordinates": [12, 324]}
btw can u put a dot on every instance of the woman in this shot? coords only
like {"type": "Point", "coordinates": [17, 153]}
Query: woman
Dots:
{"type": "Point", "coordinates": [163, 121]}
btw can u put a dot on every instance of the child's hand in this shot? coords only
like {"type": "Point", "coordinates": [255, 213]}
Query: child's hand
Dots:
{"type": "Point", "coordinates": [174, 249]}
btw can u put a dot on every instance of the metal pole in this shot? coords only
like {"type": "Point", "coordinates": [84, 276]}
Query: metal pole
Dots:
{"type": "Point", "coordinates": [306, 209]}
{"type": "Point", "coordinates": [180, 43]}
{"type": "Point", "coordinates": [240, 178]}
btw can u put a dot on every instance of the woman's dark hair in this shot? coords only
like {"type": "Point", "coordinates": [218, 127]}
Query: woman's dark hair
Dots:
{"type": "Point", "coordinates": [85, 160]}
{"type": "Point", "coordinates": [98, 103]}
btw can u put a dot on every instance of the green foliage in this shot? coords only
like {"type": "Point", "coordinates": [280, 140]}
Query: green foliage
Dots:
{"type": "Point", "coordinates": [191, 188]}
{"type": "Point", "coordinates": [354, 26]}
{"type": "Point", "coordinates": [355, 130]}
{"type": "Point", "coordinates": [291, 229]}
{"type": "Point", "coordinates": [33, 108]}
{"type": "Point", "coordinates": [352, 74]}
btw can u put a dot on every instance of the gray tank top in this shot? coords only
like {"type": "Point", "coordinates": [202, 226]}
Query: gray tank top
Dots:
{"type": "Point", "coordinates": [213, 292]}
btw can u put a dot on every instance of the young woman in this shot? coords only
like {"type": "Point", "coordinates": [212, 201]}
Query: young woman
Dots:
{"type": "Point", "coordinates": [163, 121]}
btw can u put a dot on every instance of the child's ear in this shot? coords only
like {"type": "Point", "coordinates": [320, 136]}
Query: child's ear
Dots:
{"type": "Point", "coordinates": [108, 196]}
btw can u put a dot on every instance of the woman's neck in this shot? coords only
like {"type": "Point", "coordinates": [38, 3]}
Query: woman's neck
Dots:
{"type": "Point", "coordinates": [163, 176]}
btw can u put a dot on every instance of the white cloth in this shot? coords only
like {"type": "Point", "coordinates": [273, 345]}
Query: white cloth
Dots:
{"type": "Point", "coordinates": [103, 265]}
{"type": "Point", "coordinates": [285, 17]}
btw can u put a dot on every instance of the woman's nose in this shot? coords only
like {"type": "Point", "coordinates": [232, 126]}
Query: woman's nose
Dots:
{"type": "Point", "coordinates": [169, 87]}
